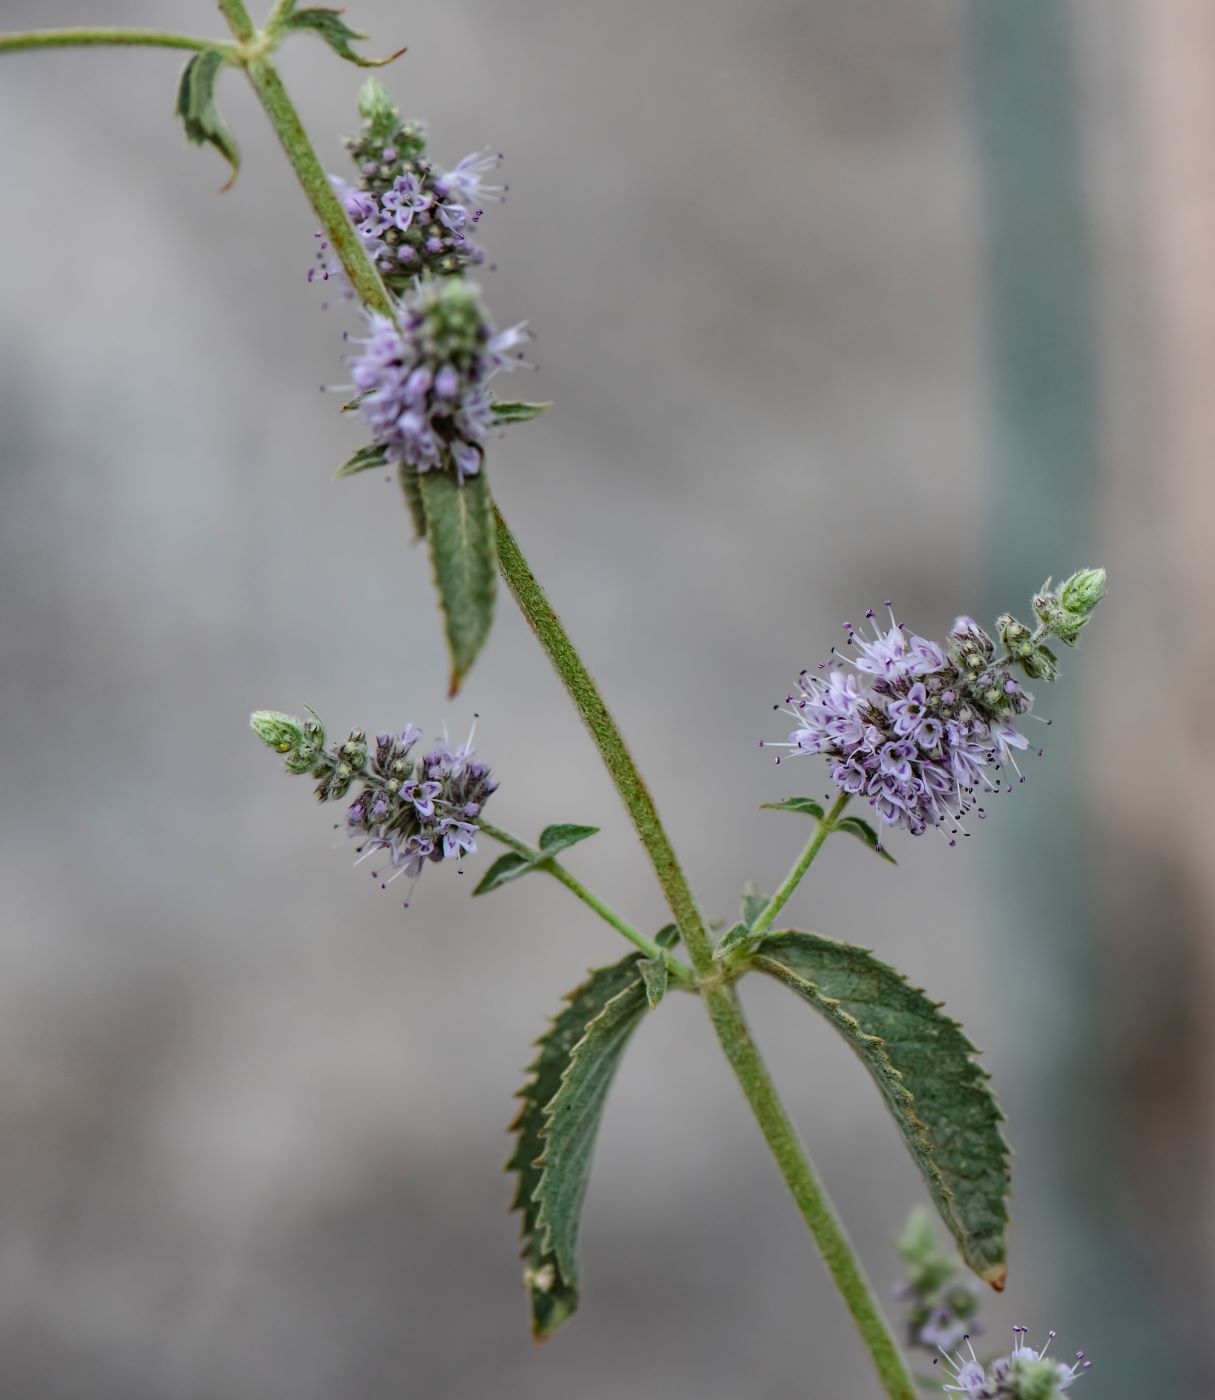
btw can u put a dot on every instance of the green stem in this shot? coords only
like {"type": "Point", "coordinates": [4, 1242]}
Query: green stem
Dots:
{"type": "Point", "coordinates": [778, 901]}
{"type": "Point", "coordinates": [802, 1180]}
{"type": "Point", "coordinates": [553, 867]}
{"type": "Point", "coordinates": [130, 38]}
{"type": "Point", "coordinates": [582, 689]}
{"type": "Point", "coordinates": [238, 18]}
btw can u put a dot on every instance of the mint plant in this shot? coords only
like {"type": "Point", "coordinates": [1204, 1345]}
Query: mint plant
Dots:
{"type": "Point", "coordinates": [917, 736]}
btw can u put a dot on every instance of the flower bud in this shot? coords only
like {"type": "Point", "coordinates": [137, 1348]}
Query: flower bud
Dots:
{"type": "Point", "coordinates": [277, 731]}
{"type": "Point", "coordinates": [1083, 591]}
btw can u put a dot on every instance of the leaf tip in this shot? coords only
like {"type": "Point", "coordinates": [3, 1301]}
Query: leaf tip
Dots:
{"type": "Point", "coordinates": [996, 1275]}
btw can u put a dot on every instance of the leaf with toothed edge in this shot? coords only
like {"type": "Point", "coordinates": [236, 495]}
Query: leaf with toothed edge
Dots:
{"type": "Point", "coordinates": [331, 27]}
{"type": "Point", "coordinates": [562, 1104]}
{"type": "Point", "coordinates": [925, 1068]}
{"type": "Point", "coordinates": [198, 112]}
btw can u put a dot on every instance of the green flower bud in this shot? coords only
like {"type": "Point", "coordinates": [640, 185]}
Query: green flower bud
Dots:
{"type": "Point", "coordinates": [1013, 634]}
{"type": "Point", "coordinates": [1035, 1379]}
{"type": "Point", "coordinates": [1083, 591]}
{"type": "Point", "coordinates": [282, 733]}
{"type": "Point", "coordinates": [1039, 663]}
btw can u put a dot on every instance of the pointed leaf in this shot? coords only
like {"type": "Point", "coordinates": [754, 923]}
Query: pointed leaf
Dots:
{"type": "Point", "coordinates": [854, 826]}
{"type": "Point", "coordinates": [330, 25]}
{"type": "Point", "coordinates": [364, 460]}
{"type": "Point", "coordinates": [518, 412]}
{"type": "Point", "coordinates": [413, 499]}
{"type": "Point", "coordinates": [554, 839]}
{"type": "Point", "coordinates": [551, 1278]}
{"type": "Point", "coordinates": [655, 976]}
{"type": "Point", "coordinates": [807, 805]}
{"type": "Point", "coordinates": [738, 935]}
{"type": "Point", "coordinates": [464, 556]}
{"type": "Point", "coordinates": [753, 903]}
{"type": "Point", "coordinates": [925, 1068]}
{"type": "Point", "coordinates": [667, 936]}
{"type": "Point", "coordinates": [198, 112]}
{"type": "Point", "coordinates": [505, 869]}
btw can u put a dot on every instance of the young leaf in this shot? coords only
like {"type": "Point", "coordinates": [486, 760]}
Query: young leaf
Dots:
{"type": "Point", "coordinates": [753, 903]}
{"type": "Point", "coordinates": [925, 1068]}
{"type": "Point", "coordinates": [854, 826]}
{"type": "Point", "coordinates": [364, 460]}
{"type": "Point", "coordinates": [738, 935]}
{"type": "Point", "coordinates": [198, 112]}
{"type": "Point", "coordinates": [330, 25]}
{"type": "Point", "coordinates": [505, 869]}
{"type": "Point", "coordinates": [464, 556]}
{"type": "Point", "coordinates": [667, 936]}
{"type": "Point", "coordinates": [554, 839]}
{"type": "Point", "coordinates": [578, 1055]}
{"type": "Point", "coordinates": [517, 412]}
{"type": "Point", "coordinates": [808, 805]}
{"type": "Point", "coordinates": [655, 976]}
{"type": "Point", "coordinates": [412, 492]}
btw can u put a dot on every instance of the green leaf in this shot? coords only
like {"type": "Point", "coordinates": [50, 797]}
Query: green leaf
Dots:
{"type": "Point", "coordinates": [554, 839]}
{"type": "Point", "coordinates": [655, 976]}
{"type": "Point", "coordinates": [364, 460]}
{"type": "Point", "coordinates": [330, 25]}
{"type": "Point", "coordinates": [667, 936]}
{"type": "Point", "coordinates": [412, 492]}
{"type": "Point", "coordinates": [518, 412]}
{"type": "Point", "coordinates": [854, 826]}
{"type": "Point", "coordinates": [753, 903]}
{"type": "Point", "coordinates": [738, 935]}
{"type": "Point", "coordinates": [198, 112]}
{"type": "Point", "coordinates": [807, 805]}
{"type": "Point", "coordinates": [505, 869]}
{"type": "Point", "coordinates": [925, 1068]}
{"type": "Point", "coordinates": [562, 1103]}
{"type": "Point", "coordinates": [464, 556]}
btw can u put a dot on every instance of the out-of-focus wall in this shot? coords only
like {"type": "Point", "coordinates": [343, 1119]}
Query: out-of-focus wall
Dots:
{"type": "Point", "coordinates": [251, 1111]}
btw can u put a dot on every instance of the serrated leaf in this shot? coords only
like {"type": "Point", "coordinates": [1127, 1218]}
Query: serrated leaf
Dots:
{"type": "Point", "coordinates": [198, 112]}
{"type": "Point", "coordinates": [505, 869]}
{"type": "Point", "coordinates": [554, 839]}
{"type": "Point", "coordinates": [855, 826]}
{"type": "Point", "coordinates": [924, 1066]}
{"type": "Point", "coordinates": [667, 936]}
{"type": "Point", "coordinates": [517, 412]}
{"type": "Point", "coordinates": [737, 936]}
{"type": "Point", "coordinates": [364, 460]}
{"type": "Point", "coordinates": [806, 805]}
{"type": "Point", "coordinates": [330, 25]}
{"type": "Point", "coordinates": [549, 1249]}
{"type": "Point", "coordinates": [464, 557]}
{"type": "Point", "coordinates": [412, 492]}
{"type": "Point", "coordinates": [753, 903]}
{"type": "Point", "coordinates": [655, 976]}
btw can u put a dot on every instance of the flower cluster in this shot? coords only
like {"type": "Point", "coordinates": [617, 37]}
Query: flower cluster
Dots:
{"type": "Point", "coordinates": [411, 808]}
{"type": "Point", "coordinates": [422, 383]}
{"type": "Point", "coordinates": [1024, 1374]}
{"type": "Point", "coordinates": [413, 218]}
{"type": "Point", "coordinates": [920, 730]}
{"type": "Point", "coordinates": [940, 1310]}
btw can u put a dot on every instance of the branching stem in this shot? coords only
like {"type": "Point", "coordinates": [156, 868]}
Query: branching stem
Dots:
{"type": "Point", "coordinates": [825, 826]}
{"type": "Point", "coordinates": [120, 38]}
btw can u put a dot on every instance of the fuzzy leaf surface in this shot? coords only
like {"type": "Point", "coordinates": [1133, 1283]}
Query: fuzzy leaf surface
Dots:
{"type": "Point", "coordinates": [806, 805]}
{"type": "Point", "coordinates": [753, 903]}
{"type": "Point", "coordinates": [366, 459]}
{"type": "Point", "coordinates": [464, 557]}
{"type": "Point", "coordinates": [330, 25]}
{"type": "Point", "coordinates": [735, 938]}
{"type": "Point", "coordinates": [198, 112]}
{"type": "Point", "coordinates": [655, 975]}
{"type": "Point", "coordinates": [518, 412]}
{"type": "Point", "coordinates": [562, 1103]}
{"type": "Point", "coordinates": [924, 1066]}
{"type": "Point", "coordinates": [555, 839]}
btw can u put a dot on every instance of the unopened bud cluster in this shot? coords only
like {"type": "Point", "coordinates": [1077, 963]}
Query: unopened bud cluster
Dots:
{"type": "Point", "coordinates": [413, 218]}
{"type": "Point", "coordinates": [411, 808]}
{"type": "Point", "coordinates": [941, 1310]}
{"type": "Point", "coordinates": [919, 730]}
{"type": "Point", "coordinates": [1024, 1374]}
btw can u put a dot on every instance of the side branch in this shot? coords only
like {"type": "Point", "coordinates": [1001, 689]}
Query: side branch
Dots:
{"type": "Point", "coordinates": [122, 38]}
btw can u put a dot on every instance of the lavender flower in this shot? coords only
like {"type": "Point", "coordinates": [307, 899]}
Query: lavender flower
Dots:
{"type": "Point", "coordinates": [1024, 1374]}
{"type": "Point", "coordinates": [410, 810]}
{"type": "Point", "coordinates": [423, 385]}
{"type": "Point", "coordinates": [941, 1311]}
{"type": "Point", "coordinates": [922, 731]}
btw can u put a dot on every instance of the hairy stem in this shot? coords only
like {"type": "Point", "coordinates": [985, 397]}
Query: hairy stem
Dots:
{"type": "Point", "coordinates": [553, 867]}
{"type": "Point", "coordinates": [122, 38]}
{"type": "Point", "coordinates": [778, 901]}
{"type": "Point", "coordinates": [583, 691]}
{"type": "Point", "coordinates": [802, 1180]}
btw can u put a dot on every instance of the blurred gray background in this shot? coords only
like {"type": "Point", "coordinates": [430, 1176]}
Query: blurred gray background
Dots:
{"type": "Point", "coordinates": [837, 302]}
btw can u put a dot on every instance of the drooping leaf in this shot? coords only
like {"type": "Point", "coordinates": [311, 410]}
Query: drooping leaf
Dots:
{"type": "Point", "coordinates": [198, 112]}
{"type": "Point", "coordinates": [925, 1068]}
{"type": "Point", "coordinates": [737, 936]}
{"type": "Point", "coordinates": [464, 556]}
{"type": "Point", "coordinates": [505, 869]}
{"type": "Point", "coordinates": [655, 975]}
{"type": "Point", "coordinates": [753, 903]}
{"type": "Point", "coordinates": [806, 805]}
{"type": "Point", "coordinates": [517, 412]}
{"type": "Point", "coordinates": [855, 826]}
{"type": "Point", "coordinates": [330, 25]}
{"type": "Point", "coordinates": [555, 839]}
{"type": "Point", "coordinates": [562, 1103]}
{"type": "Point", "coordinates": [364, 460]}
{"type": "Point", "coordinates": [412, 492]}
